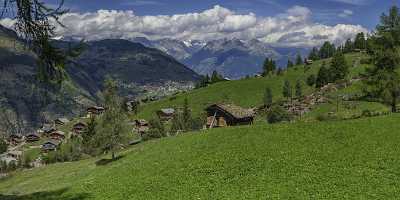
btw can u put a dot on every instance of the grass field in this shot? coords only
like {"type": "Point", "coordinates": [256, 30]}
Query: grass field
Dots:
{"type": "Point", "coordinates": [246, 92]}
{"type": "Point", "coordinates": [357, 159]}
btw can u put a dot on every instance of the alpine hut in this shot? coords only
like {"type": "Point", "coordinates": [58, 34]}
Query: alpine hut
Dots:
{"type": "Point", "coordinates": [166, 114]}
{"type": "Point", "coordinates": [61, 121]}
{"type": "Point", "coordinates": [32, 137]}
{"type": "Point", "coordinates": [50, 145]}
{"type": "Point", "coordinates": [57, 135]}
{"type": "Point", "coordinates": [222, 115]}
{"type": "Point", "coordinates": [79, 127]}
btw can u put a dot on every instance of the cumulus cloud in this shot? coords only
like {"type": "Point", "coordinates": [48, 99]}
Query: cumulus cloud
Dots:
{"type": "Point", "coordinates": [292, 28]}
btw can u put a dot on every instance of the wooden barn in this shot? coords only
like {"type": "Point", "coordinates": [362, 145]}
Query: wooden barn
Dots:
{"type": "Point", "coordinates": [142, 126]}
{"type": "Point", "coordinates": [51, 145]}
{"type": "Point", "coordinates": [15, 139]}
{"type": "Point", "coordinates": [79, 128]}
{"type": "Point", "coordinates": [32, 137]}
{"type": "Point", "coordinates": [222, 115]}
{"type": "Point", "coordinates": [57, 135]}
{"type": "Point", "coordinates": [48, 128]}
{"type": "Point", "coordinates": [95, 110]}
{"type": "Point", "coordinates": [166, 114]}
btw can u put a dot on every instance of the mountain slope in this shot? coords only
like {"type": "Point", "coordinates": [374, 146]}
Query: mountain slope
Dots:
{"type": "Point", "coordinates": [131, 64]}
{"type": "Point", "coordinates": [337, 160]}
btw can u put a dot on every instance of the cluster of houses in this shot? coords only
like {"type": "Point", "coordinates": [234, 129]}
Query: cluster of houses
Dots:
{"type": "Point", "coordinates": [50, 132]}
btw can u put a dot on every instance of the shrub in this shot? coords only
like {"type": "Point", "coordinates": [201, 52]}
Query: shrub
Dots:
{"type": "Point", "coordinates": [327, 117]}
{"type": "Point", "coordinates": [278, 114]}
{"type": "Point", "coordinates": [3, 146]}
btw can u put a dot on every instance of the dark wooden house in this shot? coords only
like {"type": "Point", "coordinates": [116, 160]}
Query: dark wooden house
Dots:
{"type": "Point", "coordinates": [166, 114]}
{"type": "Point", "coordinates": [222, 115]}
{"type": "Point", "coordinates": [95, 110]}
{"type": "Point", "coordinates": [142, 126]}
{"type": "Point", "coordinates": [48, 128]}
{"type": "Point", "coordinates": [57, 135]}
{"type": "Point", "coordinates": [79, 128]}
{"type": "Point", "coordinates": [32, 137]}
{"type": "Point", "coordinates": [51, 145]}
{"type": "Point", "coordinates": [15, 139]}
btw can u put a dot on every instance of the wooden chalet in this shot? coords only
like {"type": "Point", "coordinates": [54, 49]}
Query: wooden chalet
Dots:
{"type": "Point", "coordinates": [95, 110]}
{"type": "Point", "coordinates": [222, 115]}
{"type": "Point", "coordinates": [15, 139]}
{"type": "Point", "coordinates": [32, 137]}
{"type": "Point", "coordinates": [166, 114]}
{"type": "Point", "coordinates": [57, 135]}
{"type": "Point", "coordinates": [61, 121]}
{"type": "Point", "coordinates": [51, 145]}
{"type": "Point", "coordinates": [142, 126]}
{"type": "Point", "coordinates": [48, 128]}
{"type": "Point", "coordinates": [308, 62]}
{"type": "Point", "coordinates": [79, 128]}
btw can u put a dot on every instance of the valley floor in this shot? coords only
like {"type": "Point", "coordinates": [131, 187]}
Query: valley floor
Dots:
{"type": "Point", "coordinates": [357, 159]}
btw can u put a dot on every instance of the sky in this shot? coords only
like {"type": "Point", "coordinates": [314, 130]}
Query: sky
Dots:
{"type": "Point", "coordinates": [278, 22]}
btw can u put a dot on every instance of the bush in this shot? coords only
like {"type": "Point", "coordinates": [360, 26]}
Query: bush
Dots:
{"type": "Point", "coordinates": [3, 146]}
{"type": "Point", "coordinates": [278, 114]}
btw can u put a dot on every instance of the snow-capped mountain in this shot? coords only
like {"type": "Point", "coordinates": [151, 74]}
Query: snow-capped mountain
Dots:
{"type": "Point", "coordinates": [233, 58]}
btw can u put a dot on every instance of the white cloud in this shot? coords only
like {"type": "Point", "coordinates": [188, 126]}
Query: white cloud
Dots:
{"type": "Point", "coordinates": [292, 28]}
{"type": "Point", "coordinates": [346, 13]}
{"type": "Point", "coordinates": [354, 2]}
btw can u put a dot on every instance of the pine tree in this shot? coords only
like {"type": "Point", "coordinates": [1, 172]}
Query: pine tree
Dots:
{"type": "Point", "coordinates": [360, 41]}
{"type": "Point", "coordinates": [323, 76]}
{"type": "Point", "coordinates": [289, 64]}
{"type": "Point", "coordinates": [268, 97]}
{"type": "Point", "coordinates": [299, 89]}
{"type": "Point", "coordinates": [299, 60]}
{"type": "Point", "coordinates": [327, 50]}
{"type": "Point", "coordinates": [383, 80]}
{"type": "Point", "coordinates": [186, 116]}
{"type": "Point", "coordinates": [287, 90]}
{"type": "Point", "coordinates": [314, 54]}
{"type": "Point", "coordinates": [311, 80]}
{"type": "Point", "coordinates": [269, 67]}
{"type": "Point", "coordinates": [112, 129]}
{"type": "Point", "coordinates": [339, 68]}
{"type": "Point", "coordinates": [349, 46]}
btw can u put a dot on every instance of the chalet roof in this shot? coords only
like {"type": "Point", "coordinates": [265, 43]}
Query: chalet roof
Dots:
{"type": "Point", "coordinates": [15, 153]}
{"type": "Point", "coordinates": [141, 122]}
{"type": "Point", "coordinates": [33, 134]}
{"type": "Point", "coordinates": [235, 111]}
{"type": "Point", "coordinates": [96, 108]}
{"type": "Point", "coordinates": [63, 120]}
{"type": "Point", "coordinates": [58, 133]}
{"type": "Point", "coordinates": [80, 124]}
{"type": "Point", "coordinates": [168, 111]}
{"type": "Point", "coordinates": [15, 135]}
{"type": "Point", "coordinates": [53, 142]}
{"type": "Point", "coordinates": [48, 127]}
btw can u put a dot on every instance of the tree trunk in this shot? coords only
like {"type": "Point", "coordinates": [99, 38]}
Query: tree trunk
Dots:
{"type": "Point", "coordinates": [394, 106]}
{"type": "Point", "coordinates": [113, 155]}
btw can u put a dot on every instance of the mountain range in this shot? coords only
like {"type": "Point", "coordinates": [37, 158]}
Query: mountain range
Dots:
{"type": "Point", "coordinates": [233, 58]}
{"type": "Point", "coordinates": [131, 64]}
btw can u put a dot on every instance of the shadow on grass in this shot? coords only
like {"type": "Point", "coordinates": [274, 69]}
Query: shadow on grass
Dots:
{"type": "Point", "coordinates": [105, 161]}
{"type": "Point", "coordinates": [53, 195]}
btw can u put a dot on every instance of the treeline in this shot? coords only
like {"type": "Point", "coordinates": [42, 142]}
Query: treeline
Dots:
{"type": "Point", "coordinates": [182, 121]}
{"type": "Point", "coordinates": [207, 80]}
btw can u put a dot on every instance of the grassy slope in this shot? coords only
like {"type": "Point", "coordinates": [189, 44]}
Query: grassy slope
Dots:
{"type": "Point", "coordinates": [247, 92]}
{"type": "Point", "coordinates": [336, 160]}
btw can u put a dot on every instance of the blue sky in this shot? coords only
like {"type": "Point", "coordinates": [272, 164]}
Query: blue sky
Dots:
{"type": "Point", "coordinates": [363, 12]}
{"type": "Point", "coordinates": [284, 23]}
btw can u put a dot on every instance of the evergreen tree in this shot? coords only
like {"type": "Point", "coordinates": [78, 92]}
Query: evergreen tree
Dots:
{"type": "Point", "coordinates": [268, 97]}
{"type": "Point", "coordinates": [289, 64]}
{"type": "Point", "coordinates": [215, 77]}
{"type": "Point", "coordinates": [383, 80]}
{"type": "Point", "coordinates": [314, 54]}
{"type": "Point", "coordinates": [3, 146]}
{"type": "Point", "coordinates": [360, 41]}
{"type": "Point", "coordinates": [287, 90]}
{"type": "Point", "coordinates": [327, 50]}
{"type": "Point", "coordinates": [299, 89]}
{"type": "Point", "coordinates": [349, 46]}
{"type": "Point", "coordinates": [299, 60]}
{"type": "Point", "coordinates": [323, 76]}
{"type": "Point", "coordinates": [186, 116]}
{"type": "Point", "coordinates": [157, 129]}
{"type": "Point", "coordinates": [112, 128]}
{"type": "Point", "coordinates": [269, 67]}
{"type": "Point", "coordinates": [311, 80]}
{"type": "Point", "coordinates": [339, 68]}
